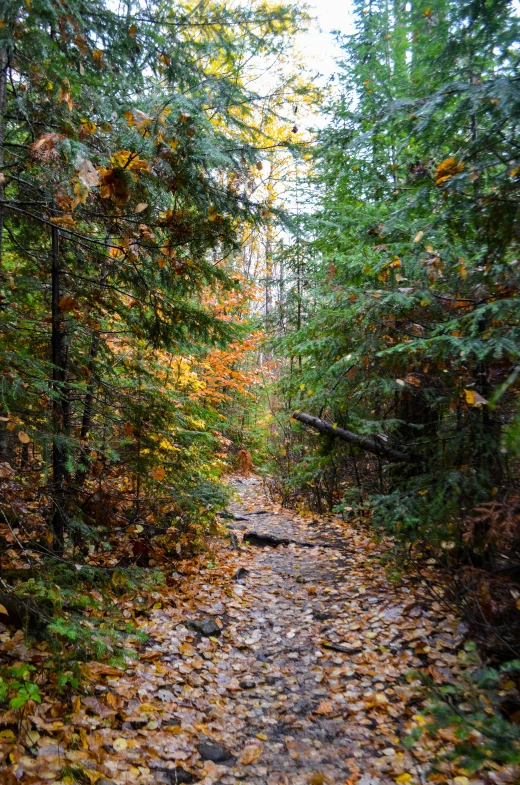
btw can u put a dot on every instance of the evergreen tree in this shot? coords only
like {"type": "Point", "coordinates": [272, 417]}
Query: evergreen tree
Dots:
{"type": "Point", "coordinates": [412, 341]}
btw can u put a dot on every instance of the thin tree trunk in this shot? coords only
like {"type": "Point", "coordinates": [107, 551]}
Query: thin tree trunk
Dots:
{"type": "Point", "coordinates": [4, 59]}
{"type": "Point", "coordinates": [88, 407]}
{"type": "Point", "coordinates": [59, 402]}
{"type": "Point", "coordinates": [88, 411]}
{"type": "Point", "coordinates": [3, 94]}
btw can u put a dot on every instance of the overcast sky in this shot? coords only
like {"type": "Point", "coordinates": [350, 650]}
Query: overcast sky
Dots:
{"type": "Point", "coordinates": [321, 46]}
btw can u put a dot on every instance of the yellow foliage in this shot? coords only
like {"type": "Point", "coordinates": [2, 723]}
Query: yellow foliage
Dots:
{"type": "Point", "coordinates": [447, 169]}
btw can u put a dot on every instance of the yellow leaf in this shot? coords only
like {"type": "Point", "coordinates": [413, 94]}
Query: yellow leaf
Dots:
{"type": "Point", "coordinates": [250, 753]}
{"type": "Point", "coordinates": [88, 126]}
{"type": "Point", "coordinates": [461, 781]}
{"type": "Point", "coordinates": [24, 437]}
{"type": "Point", "coordinates": [92, 775]}
{"type": "Point", "coordinates": [162, 262]}
{"type": "Point", "coordinates": [262, 737]}
{"type": "Point", "coordinates": [126, 159]}
{"type": "Point", "coordinates": [132, 30]}
{"type": "Point", "coordinates": [32, 737]}
{"type": "Point", "coordinates": [518, 604]}
{"type": "Point", "coordinates": [473, 398]}
{"type": "Point", "coordinates": [317, 779]}
{"type": "Point", "coordinates": [447, 169]}
{"type": "Point", "coordinates": [402, 779]}
{"type": "Point", "coordinates": [120, 744]}
{"type": "Point", "coordinates": [5, 612]}
{"type": "Point", "coordinates": [418, 237]}
{"type": "Point", "coordinates": [7, 734]}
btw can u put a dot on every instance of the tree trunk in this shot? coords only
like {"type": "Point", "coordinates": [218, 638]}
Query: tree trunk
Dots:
{"type": "Point", "coordinates": [60, 403]}
{"type": "Point", "coordinates": [88, 412]}
{"type": "Point", "coordinates": [3, 93]}
{"type": "Point", "coordinates": [363, 442]}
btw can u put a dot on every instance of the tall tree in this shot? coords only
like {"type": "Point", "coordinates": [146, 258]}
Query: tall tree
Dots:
{"type": "Point", "coordinates": [127, 141]}
{"type": "Point", "coordinates": [413, 339]}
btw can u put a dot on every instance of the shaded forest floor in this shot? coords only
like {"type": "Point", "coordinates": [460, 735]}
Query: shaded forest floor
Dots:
{"type": "Point", "coordinates": [297, 676]}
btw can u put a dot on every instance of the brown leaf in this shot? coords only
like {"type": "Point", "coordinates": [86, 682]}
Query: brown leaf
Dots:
{"type": "Point", "coordinates": [65, 94]}
{"type": "Point", "coordinates": [250, 754]}
{"type": "Point", "coordinates": [88, 175]}
{"type": "Point", "coordinates": [6, 471]}
{"type": "Point", "coordinates": [325, 707]}
{"type": "Point", "coordinates": [67, 221]}
{"type": "Point", "coordinates": [114, 185]}
{"type": "Point", "coordinates": [68, 303]}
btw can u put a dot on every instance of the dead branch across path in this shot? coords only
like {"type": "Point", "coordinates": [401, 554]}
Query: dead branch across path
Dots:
{"type": "Point", "coordinates": [364, 442]}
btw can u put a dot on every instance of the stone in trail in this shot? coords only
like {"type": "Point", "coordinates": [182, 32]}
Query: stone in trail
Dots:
{"type": "Point", "coordinates": [208, 750]}
{"type": "Point", "coordinates": [206, 627]}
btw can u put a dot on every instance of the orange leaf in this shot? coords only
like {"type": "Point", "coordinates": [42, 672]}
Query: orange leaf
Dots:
{"type": "Point", "coordinates": [325, 707]}
{"type": "Point", "coordinates": [158, 473]}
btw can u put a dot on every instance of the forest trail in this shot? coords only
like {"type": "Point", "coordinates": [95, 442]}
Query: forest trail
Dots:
{"type": "Point", "coordinates": [267, 697]}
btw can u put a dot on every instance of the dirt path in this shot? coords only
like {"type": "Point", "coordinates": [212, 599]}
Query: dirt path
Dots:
{"type": "Point", "coordinates": [267, 701]}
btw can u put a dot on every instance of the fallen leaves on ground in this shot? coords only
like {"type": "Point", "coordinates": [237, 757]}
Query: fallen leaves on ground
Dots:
{"type": "Point", "coordinates": [302, 683]}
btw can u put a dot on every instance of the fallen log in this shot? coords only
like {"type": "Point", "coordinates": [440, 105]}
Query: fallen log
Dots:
{"type": "Point", "coordinates": [263, 540]}
{"type": "Point", "coordinates": [364, 442]}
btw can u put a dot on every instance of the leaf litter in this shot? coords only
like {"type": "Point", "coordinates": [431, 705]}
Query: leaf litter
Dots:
{"type": "Point", "coordinates": [285, 665]}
